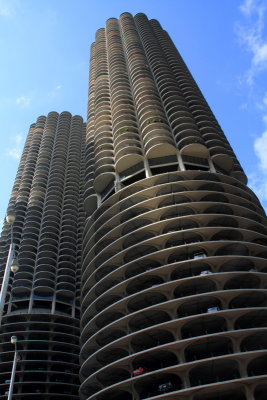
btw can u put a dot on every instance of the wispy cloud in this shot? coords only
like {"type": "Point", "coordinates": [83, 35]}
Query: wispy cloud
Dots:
{"type": "Point", "coordinates": [258, 184]}
{"type": "Point", "coordinates": [247, 7]}
{"type": "Point", "coordinates": [260, 143]}
{"type": "Point", "coordinates": [15, 151]}
{"type": "Point", "coordinates": [251, 35]}
{"type": "Point", "coordinates": [251, 32]}
{"type": "Point", "coordinates": [23, 101]}
{"type": "Point", "coordinates": [258, 181]}
{"type": "Point", "coordinates": [260, 148]}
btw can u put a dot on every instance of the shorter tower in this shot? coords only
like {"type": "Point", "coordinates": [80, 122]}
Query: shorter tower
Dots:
{"type": "Point", "coordinates": [42, 303]}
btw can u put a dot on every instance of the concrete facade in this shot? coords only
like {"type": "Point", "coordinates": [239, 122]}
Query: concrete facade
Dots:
{"type": "Point", "coordinates": [146, 212]}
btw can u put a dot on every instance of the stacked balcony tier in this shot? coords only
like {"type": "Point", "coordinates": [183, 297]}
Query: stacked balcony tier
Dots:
{"type": "Point", "coordinates": [146, 114]}
{"type": "Point", "coordinates": [47, 200]}
{"type": "Point", "coordinates": [174, 291]}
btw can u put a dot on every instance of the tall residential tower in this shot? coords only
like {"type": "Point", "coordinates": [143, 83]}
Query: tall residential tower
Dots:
{"type": "Point", "coordinates": [174, 268]}
{"type": "Point", "coordinates": [147, 213]}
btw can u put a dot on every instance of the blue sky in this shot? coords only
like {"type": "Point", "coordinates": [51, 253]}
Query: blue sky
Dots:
{"type": "Point", "coordinates": [44, 47]}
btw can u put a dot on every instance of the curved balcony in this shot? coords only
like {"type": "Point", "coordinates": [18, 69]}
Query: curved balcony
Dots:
{"type": "Point", "coordinates": [220, 157]}
{"type": "Point", "coordinates": [159, 143]}
{"type": "Point", "coordinates": [105, 177]}
{"type": "Point", "coordinates": [193, 146]}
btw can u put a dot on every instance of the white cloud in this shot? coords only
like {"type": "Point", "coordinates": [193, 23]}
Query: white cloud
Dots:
{"type": "Point", "coordinates": [260, 148]}
{"type": "Point", "coordinates": [247, 6]}
{"type": "Point", "coordinates": [258, 183]}
{"type": "Point", "coordinates": [264, 100]}
{"type": "Point", "coordinates": [260, 143]}
{"type": "Point", "coordinates": [23, 101]}
{"type": "Point", "coordinates": [253, 37]}
{"type": "Point", "coordinates": [15, 151]}
{"type": "Point", "coordinates": [258, 180]}
{"type": "Point", "coordinates": [251, 34]}
{"type": "Point", "coordinates": [264, 119]}
{"type": "Point", "coordinates": [58, 87]}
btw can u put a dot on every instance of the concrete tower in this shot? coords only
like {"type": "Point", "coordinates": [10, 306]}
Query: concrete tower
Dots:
{"type": "Point", "coordinates": [42, 302]}
{"type": "Point", "coordinates": [174, 263]}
